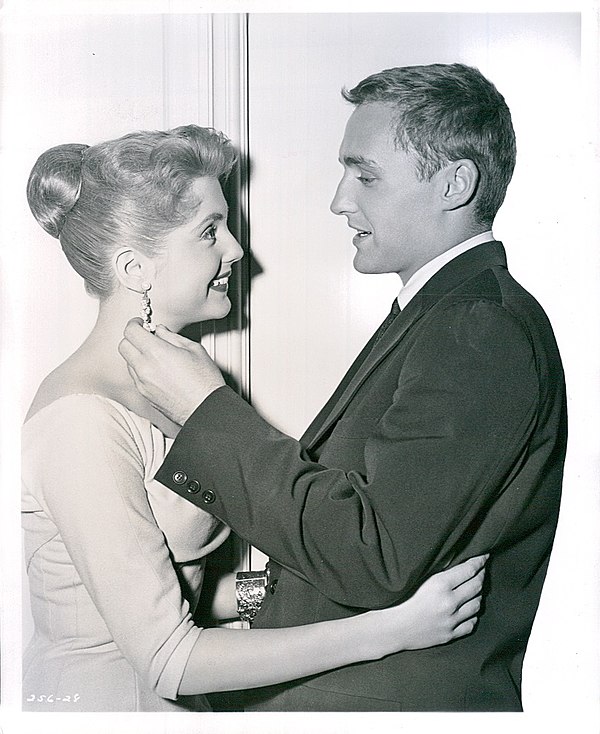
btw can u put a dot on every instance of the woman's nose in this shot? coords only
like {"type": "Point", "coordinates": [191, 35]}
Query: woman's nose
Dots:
{"type": "Point", "coordinates": [234, 251]}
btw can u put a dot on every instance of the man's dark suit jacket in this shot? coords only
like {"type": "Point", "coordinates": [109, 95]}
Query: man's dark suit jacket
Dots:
{"type": "Point", "coordinates": [445, 440]}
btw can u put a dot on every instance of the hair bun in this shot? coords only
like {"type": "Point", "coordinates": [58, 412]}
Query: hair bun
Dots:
{"type": "Point", "coordinates": [54, 185]}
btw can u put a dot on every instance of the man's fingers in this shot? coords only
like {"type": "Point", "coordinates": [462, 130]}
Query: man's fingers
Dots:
{"type": "Point", "coordinates": [172, 338]}
{"type": "Point", "coordinates": [128, 351]}
{"type": "Point", "coordinates": [132, 356]}
{"type": "Point", "coordinates": [135, 333]}
{"type": "Point", "coordinates": [171, 372]}
{"type": "Point", "coordinates": [134, 377]}
{"type": "Point", "coordinates": [135, 349]}
{"type": "Point", "coordinates": [153, 346]}
{"type": "Point", "coordinates": [144, 341]}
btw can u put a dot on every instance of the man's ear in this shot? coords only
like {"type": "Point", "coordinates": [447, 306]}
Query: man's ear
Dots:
{"type": "Point", "coordinates": [459, 180]}
{"type": "Point", "coordinates": [132, 268]}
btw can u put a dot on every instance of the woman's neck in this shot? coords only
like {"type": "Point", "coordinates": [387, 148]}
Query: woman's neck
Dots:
{"type": "Point", "coordinates": [110, 369]}
{"type": "Point", "coordinates": [97, 367]}
{"type": "Point", "coordinates": [100, 349]}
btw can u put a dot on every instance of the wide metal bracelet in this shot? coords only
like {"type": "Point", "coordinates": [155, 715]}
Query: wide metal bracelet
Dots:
{"type": "Point", "coordinates": [250, 591]}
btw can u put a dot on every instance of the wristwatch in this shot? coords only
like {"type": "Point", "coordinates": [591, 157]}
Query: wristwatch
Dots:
{"type": "Point", "coordinates": [250, 591]}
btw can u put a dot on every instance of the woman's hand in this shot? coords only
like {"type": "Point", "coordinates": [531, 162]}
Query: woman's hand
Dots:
{"type": "Point", "coordinates": [444, 608]}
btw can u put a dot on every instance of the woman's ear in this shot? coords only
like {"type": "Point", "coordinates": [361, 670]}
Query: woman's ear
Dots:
{"type": "Point", "coordinates": [460, 181]}
{"type": "Point", "coordinates": [132, 268]}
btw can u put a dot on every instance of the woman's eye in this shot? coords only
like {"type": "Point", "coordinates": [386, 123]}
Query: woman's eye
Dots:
{"type": "Point", "coordinates": [210, 233]}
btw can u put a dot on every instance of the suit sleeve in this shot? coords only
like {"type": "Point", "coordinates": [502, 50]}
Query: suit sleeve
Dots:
{"type": "Point", "coordinates": [456, 428]}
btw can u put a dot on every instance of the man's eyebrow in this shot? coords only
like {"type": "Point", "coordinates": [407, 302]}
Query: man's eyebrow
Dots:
{"type": "Point", "coordinates": [359, 160]}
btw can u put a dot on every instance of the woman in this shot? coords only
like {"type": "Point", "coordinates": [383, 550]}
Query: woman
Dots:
{"type": "Point", "coordinates": [115, 560]}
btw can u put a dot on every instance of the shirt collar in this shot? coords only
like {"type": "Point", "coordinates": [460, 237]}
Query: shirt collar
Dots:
{"type": "Point", "coordinates": [418, 279]}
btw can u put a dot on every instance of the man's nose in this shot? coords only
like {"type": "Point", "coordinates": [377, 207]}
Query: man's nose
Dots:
{"type": "Point", "coordinates": [342, 203]}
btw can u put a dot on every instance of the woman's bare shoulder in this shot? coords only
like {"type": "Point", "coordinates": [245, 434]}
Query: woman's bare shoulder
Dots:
{"type": "Point", "coordinates": [77, 376]}
{"type": "Point", "coordinates": [67, 379]}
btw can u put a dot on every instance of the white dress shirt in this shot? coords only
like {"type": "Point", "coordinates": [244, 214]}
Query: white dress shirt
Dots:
{"type": "Point", "coordinates": [418, 279]}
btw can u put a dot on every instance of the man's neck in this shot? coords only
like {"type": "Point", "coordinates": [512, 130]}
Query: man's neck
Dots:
{"type": "Point", "coordinates": [414, 284]}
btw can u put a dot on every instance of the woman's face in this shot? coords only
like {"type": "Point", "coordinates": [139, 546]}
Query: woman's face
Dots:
{"type": "Point", "coordinates": [192, 273]}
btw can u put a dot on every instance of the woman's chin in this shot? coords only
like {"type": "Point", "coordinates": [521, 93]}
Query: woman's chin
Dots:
{"type": "Point", "coordinates": [214, 313]}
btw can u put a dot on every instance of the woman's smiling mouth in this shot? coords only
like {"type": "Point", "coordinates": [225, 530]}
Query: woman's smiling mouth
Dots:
{"type": "Point", "coordinates": [220, 284]}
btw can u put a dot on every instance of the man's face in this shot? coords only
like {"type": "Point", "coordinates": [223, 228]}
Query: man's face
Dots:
{"type": "Point", "coordinates": [394, 213]}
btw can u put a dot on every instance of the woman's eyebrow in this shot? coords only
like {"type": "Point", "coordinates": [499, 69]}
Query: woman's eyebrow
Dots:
{"type": "Point", "coordinates": [214, 217]}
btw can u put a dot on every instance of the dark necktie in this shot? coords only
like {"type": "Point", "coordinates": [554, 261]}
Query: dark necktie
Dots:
{"type": "Point", "coordinates": [348, 377]}
{"type": "Point", "coordinates": [395, 310]}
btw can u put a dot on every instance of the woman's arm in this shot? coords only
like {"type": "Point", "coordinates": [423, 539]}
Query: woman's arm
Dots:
{"type": "Point", "coordinates": [83, 456]}
{"type": "Point", "coordinates": [101, 509]}
{"type": "Point", "coordinates": [222, 600]}
{"type": "Point", "coordinates": [444, 608]}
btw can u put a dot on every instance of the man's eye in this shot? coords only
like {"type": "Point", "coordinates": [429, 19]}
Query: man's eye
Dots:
{"type": "Point", "coordinates": [366, 179]}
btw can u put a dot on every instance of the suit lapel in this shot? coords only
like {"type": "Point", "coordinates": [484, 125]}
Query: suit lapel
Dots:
{"type": "Point", "coordinates": [443, 282]}
{"type": "Point", "coordinates": [364, 364]}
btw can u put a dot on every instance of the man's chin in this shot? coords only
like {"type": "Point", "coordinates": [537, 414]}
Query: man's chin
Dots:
{"type": "Point", "coordinates": [362, 265]}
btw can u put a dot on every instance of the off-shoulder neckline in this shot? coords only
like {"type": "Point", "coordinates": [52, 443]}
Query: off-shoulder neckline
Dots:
{"type": "Point", "coordinates": [102, 398]}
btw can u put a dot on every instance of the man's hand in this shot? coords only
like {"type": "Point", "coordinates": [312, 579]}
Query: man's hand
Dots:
{"type": "Point", "coordinates": [172, 372]}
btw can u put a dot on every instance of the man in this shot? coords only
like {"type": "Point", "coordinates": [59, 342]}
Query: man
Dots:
{"type": "Point", "coordinates": [445, 439]}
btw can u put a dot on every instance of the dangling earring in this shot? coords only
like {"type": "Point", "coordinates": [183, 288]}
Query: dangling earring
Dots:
{"type": "Point", "coordinates": [147, 309]}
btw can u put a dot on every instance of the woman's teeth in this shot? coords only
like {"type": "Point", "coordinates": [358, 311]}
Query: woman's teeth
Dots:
{"type": "Point", "coordinates": [220, 281]}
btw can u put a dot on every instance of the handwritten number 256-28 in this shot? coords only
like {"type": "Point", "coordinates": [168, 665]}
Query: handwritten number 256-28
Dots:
{"type": "Point", "coordinates": [51, 699]}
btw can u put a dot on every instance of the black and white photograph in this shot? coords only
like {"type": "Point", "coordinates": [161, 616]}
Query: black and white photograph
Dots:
{"type": "Point", "coordinates": [299, 367]}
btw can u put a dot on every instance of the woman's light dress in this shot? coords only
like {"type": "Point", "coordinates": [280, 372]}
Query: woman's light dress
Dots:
{"type": "Point", "coordinates": [115, 562]}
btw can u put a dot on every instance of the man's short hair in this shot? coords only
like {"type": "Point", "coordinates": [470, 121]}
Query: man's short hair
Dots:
{"type": "Point", "coordinates": [445, 112]}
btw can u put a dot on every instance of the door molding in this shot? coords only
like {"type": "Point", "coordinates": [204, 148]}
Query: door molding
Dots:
{"type": "Point", "coordinates": [206, 82]}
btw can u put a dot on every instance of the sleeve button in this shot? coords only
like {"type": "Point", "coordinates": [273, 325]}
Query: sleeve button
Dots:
{"type": "Point", "coordinates": [180, 477]}
{"type": "Point", "coordinates": [193, 486]}
{"type": "Point", "coordinates": [208, 496]}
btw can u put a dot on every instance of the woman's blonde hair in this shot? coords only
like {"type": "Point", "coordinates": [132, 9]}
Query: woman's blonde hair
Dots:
{"type": "Point", "coordinates": [132, 190]}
